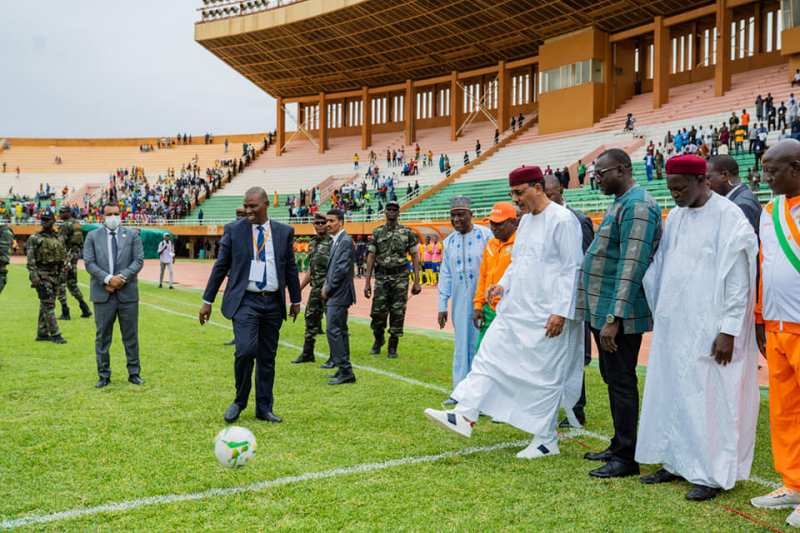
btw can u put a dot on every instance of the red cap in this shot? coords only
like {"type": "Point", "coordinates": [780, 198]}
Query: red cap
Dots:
{"type": "Point", "coordinates": [525, 174]}
{"type": "Point", "coordinates": [686, 164]}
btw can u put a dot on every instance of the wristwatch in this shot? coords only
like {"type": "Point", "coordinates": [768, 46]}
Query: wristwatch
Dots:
{"type": "Point", "coordinates": [610, 319]}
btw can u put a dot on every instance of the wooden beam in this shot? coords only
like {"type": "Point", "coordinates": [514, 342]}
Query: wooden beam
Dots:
{"type": "Point", "coordinates": [533, 60]}
{"type": "Point", "coordinates": [700, 12]}
{"type": "Point", "coordinates": [477, 72]}
{"type": "Point", "coordinates": [633, 32]}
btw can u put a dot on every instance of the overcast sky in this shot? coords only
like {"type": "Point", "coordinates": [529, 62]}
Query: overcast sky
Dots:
{"type": "Point", "coordinates": [117, 68]}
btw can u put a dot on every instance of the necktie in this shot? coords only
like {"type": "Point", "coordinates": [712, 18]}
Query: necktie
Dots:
{"type": "Point", "coordinates": [262, 256]}
{"type": "Point", "coordinates": [114, 251]}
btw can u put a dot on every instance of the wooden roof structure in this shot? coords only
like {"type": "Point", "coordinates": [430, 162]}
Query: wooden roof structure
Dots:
{"type": "Point", "coordinates": [314, 46]}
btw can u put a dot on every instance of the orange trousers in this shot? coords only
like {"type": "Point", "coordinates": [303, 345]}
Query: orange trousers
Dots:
{"type": "Point", "coordinates": [783, 358]}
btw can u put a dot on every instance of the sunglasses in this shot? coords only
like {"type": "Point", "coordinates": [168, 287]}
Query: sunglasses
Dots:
{"type": "Point", "coordinates": [320, 222]}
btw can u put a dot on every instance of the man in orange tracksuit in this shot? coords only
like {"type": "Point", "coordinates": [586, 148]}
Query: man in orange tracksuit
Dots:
{"type": "Point", "coordinates": [496, 258]}
{"type": "Point", "coordinates": [778, 320]}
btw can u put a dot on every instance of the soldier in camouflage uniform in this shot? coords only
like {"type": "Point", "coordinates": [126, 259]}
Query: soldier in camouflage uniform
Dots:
{"type": "Point", "coordinates": [6, 241]}
{"type": "Point", "coordinates": [319, 253]}
{"type": "Point", "coordinates": [46, 256]}
{"type": "Point", "coordinates": [387, 252]}
{"type": "Point", "coordinates": [69, 231]}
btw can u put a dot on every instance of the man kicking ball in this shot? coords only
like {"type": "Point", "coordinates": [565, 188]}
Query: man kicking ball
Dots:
{"type": "Point", "coordinates": [528, 364]}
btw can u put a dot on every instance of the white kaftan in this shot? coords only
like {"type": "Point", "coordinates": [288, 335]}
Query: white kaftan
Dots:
{"type": "Point", "coordinates": [699, 417]}
{"type": "Point", "coordinates": [520, 376]}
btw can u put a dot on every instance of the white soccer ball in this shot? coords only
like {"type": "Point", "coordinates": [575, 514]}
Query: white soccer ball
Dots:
{"type": "Point", "coordinates": [234, 446]}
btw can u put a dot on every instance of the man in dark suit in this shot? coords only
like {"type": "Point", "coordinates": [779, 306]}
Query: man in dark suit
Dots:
{"type": "Point", "coordinates": [723, 177]}
{"type": "Point", "coordinates": [257, 257]}
{"type": "Point", "coordinates": [339, 294]}
{"type": "Point", "coordinates": [113, 257]}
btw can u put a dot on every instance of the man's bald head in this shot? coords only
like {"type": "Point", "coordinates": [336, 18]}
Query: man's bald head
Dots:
{"type": "Point", "coordinates": [553, 189]}
{"type": "Point", "coordinates": [781, 165]}
{"type": "Point", "coordinates": [255, 205]}
{"type": "Point", "coordinates": [259, 191]}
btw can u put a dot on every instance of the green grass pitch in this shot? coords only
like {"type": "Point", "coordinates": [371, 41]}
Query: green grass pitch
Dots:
{"type": "Point", "coordinates": [65, 446]}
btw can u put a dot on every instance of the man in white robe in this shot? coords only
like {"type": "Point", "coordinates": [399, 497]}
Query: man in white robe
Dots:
{"type": "Point", "coordinates": [458, 276]}
{"type": "Point", "coordinates": [529, 362]}
{"type": "Point", "coordinates": [701, 394]}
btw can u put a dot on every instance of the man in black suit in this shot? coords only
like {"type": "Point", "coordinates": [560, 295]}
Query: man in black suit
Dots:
{"type": "Point", "coordinates": [257, 257]}
{"type": "Point", "coordinates": [339, 294]}
{"type": "Point", "coordinates": [723, 178]}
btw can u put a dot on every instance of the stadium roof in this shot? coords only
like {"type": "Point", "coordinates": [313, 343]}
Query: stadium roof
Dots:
{"type": "Point", "coordinates": [341, 45]}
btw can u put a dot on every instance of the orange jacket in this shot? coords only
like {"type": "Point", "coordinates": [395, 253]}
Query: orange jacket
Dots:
{"type": "Point", "coordinates": [496, 258]}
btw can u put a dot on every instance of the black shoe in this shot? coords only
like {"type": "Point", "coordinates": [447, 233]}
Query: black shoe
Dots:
{"type": "Point", "coordinates": [42, 338]}
{"type": "Point", "coordinates": [269, 416]}
{"type": "Point", "coordinates": [616, 468]}
{"type": "Point", "coordinates": [327, 365]}
{"type": "Point", "coordinates": [58, 339]}
{"type": "Point", "coordinates": [307, 355]}
{"type": "Point", "coordinates": [701, 493]}
{"type": "Point", "coordinates": [85, 312]}
{"type": "Point", "coordinates": [171, 287]}
{"type": "Point", "coordinates": [135, 379]}
{"type": "Point", "coordinates": [660, 476]}
{"type": "Point", "coordinates": [376, 346]}
{"type": "Point", "coordinates": [64, 313]}
{"type": "Point", "coordinates": [392, 349]}
{"type": "Point", "coordinates": [342, 378]}
{"type": "Point", "coordinates": [160, 286]}
{"type": "Point", "coordinates": [232, 413]}
{"type": "Point", "coordinates": [605, 455]}
{"type": "Point", "coordinates": [102, 382]}
{"type": "Point", "coordinates": [231, 342]}
{"type": "Point", "coordinates": [303, 358]}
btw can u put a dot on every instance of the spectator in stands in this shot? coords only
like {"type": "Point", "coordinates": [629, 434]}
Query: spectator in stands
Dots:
{"type": "Point", "coordinates": [466, 158]}
{"type": "Point", "coordinates": [796, 80]}
{"type": "Point", "coordinates": [447, 166]}
{"type": "Point", "coordinates": [759, 108]}
{"type": "Point", "coordinates": [581, 173]}
{"type": "Point", "coordinates": [355, 161]}
{"type": "Point", "coordinates": [724, 136]}
{"type": "Point", "coordinates": [752, 135]}
{"type": "Point", "coordinates": [781, 117]}
{"type": "Point", "coordinates": [669, 145]}
{"type": "Point", "coordinates": [520, 120]}
{"type": "Point", "coordinates": [659, 160]}
{"type": "Point", "coordinates": [629, 122]}
{"type": "Point", "coordinates": [477, 149]}
{"type": "Point", "coordinates": [744, 119]}
{"type": "Point", "coordinates": [739, 136]}
{"type": "Point", "coordinates": [649, 166]}
{"type": "Point", "coordinates": [769, 104]}
{"type": "Point", "coordinates": [513, 124]}
{"type": "Point", "coordinates": [733, 121]}
{"type": "Point", "coordinates": [755, 179]}
{"type": "Point", "coordinates": [496, 136]}
{"type": "Point", "coordinates": [772, 119]}
{"type": "Point", "coordinates": [430, 157]}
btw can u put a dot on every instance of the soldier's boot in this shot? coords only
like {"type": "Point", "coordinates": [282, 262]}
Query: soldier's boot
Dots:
{"type": "Point", "coordinates": [85, 312]}
{"type": "Point", "coordinates": [58, 339]}
{"type": "Point", "coordinates": [64, 312]}
{"type": "Point", "coordinates": [307, 355]}
{"type": "Point", "coordinates": [376, 346]}
{"type": "Point", "coordinates": [42, 337]}
{"type": "Point", "coordinates": [393, 346]}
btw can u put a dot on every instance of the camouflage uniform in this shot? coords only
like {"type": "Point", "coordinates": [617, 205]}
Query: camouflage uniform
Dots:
{"type": "Point", "coordinates": [46, 256]}
{"type": "Point", "coordinates": [319, 254]}
{"type": "Point", "coordinates": [69, 231]}
{"type": "Point", "coordinates": [390, 246]}
{"type": "Point", "coordinates": [6, 241]}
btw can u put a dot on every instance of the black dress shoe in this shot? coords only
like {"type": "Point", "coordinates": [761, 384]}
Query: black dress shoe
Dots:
{"type": "Point", "coordinates": [269, 416]}
{"type": "Point", "coordinates": [342, 378]}
{"type": "Point", "coordinates": [232, 413]}
{"type": "Point", "coordinates": [327, 365]}
{"type": "Point", "coordinates": [102, 382]}
{"type": "Point", "coordinates": [336, 375]}
{"type": "Point", "coordinates": [303, 359]}
{"type": "Point", "coordinates": [135, 379]}
{"type": "Point", "coordinates": [659, 476]}
{"type": "Point", "coordinates": [616, 468]}
{"type": "Point", "coordinates": [605, 455]}
{"type": "Point", "coordinates": [701, 493]}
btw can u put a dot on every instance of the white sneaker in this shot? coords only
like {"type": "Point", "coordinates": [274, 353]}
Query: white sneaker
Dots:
{"type": "Point", "coordinates": [452, 421]}
{"type": "Point", "coordinates": [794, 518]}
{"type": "Point", "coordinates": [782, 498]}
{"type": "Point", "coordinates": [536, 450]}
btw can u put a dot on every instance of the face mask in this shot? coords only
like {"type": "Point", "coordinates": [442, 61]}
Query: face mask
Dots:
{"type": "Point", "coordinates": [111, 222]}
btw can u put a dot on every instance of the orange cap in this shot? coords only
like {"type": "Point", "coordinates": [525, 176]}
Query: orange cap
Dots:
{"type": "Point", "coordinates": [502, 211]}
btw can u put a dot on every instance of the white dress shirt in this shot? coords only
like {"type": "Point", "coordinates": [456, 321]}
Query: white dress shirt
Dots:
{"type": "Point", "coordinates": [111, 258]}
{"type": "Point", "coordinates": [269, 253]}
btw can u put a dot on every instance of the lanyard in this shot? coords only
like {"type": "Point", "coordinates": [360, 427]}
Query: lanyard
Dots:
{"type": "Point", "coordinates": [258, 250]}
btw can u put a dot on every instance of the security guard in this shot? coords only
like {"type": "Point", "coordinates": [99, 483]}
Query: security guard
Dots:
{"type": "Point", "coordinates": [69, 231]}
{"type": "Point", "coordinates": [319, 253]}
{"type": "Point", "coordinates": [6, 242]}
{"type": "Point", "coordinates": [387, 252]}
{"type": "Point", "coordinates": [46, 256]}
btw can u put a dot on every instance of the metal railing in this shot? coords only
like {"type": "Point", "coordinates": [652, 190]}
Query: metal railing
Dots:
{"type": "Point", "coordinates": [222, 9]}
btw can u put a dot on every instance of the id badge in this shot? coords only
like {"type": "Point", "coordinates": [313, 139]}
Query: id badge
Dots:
{"type": "Point", "coordinates": [258, 270]}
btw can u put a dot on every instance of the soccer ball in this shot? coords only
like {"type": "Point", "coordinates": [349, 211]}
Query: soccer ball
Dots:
{"type": "Point", "coordinates": [234, 446]}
